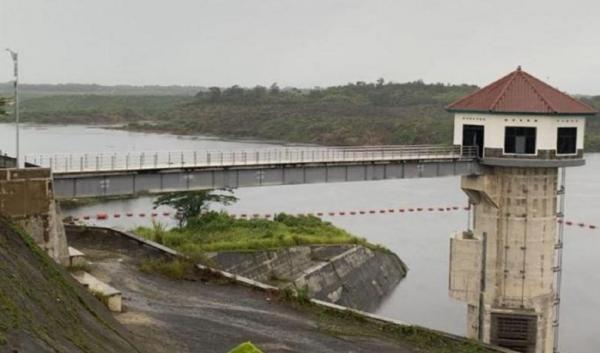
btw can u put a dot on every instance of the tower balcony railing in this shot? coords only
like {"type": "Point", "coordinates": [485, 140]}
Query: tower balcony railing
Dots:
{"type": "Point", "coordinates": [102, 162]}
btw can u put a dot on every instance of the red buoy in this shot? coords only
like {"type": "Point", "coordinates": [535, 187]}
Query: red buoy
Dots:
{"type": "Point", "coordinates": [332, 213]}
{"type": "Point", "coordinates": [411, 210]}
{"type": "Point", "coordinates": [430, 209]}
{"type": "Point", "coordinates": [361, 212]}
{"type": "Point", "coordinates": [117, 215]}
{"type": "Point", "coordinates": [372, 211]}
{"type": "Point", "coordinates": [129, 214]}
{"type": "Point", "coordinates": [401, 210]}
{"type": "Point", "coordinates": [319, 214]}
{"type": "Point", "coordinates": [592, 226]}
{"type": "Point", "coordinates": [166, 214]}
{"type": "Point", "coordinates": [142, 215]}
{"type": "Point", "coordinates": [419, 209]}
{"type": "Point", "coordinates": [569, 223]}
{"type": "Point", "coordinates": [391, 210]}
{"type": "Point", "coordinates": [352, 213]}
{"type": "Point", "coordinates": [86, 217]}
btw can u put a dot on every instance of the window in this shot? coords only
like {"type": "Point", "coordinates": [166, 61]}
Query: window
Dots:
{"type": "Point", "coordinates": [519, 140]}
{"type": "Point", "coordinates": [567, 140]}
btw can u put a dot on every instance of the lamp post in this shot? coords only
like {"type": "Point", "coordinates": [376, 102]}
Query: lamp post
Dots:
{"type": "Point", "coordinates": [15, 57]}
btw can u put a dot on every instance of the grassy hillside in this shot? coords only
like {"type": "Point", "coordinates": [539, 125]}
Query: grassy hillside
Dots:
{"type": "Point", "coordinates": [95, 109]}
{"type": "Point", "coordinates": [43, 310]}
{"type": "Point", "coordinates": [352, 114]}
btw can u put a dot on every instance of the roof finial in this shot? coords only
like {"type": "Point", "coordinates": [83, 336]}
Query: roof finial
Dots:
{"type": "Point", "coordinates": [519, 68]}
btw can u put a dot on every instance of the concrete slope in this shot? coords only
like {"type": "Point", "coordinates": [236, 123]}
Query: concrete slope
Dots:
{"type": "Point", "coordinates": [42, 309]}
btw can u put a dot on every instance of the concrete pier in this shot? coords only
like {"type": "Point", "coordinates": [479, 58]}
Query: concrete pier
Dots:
{"type": "Point", "coordinates": [508, 278]}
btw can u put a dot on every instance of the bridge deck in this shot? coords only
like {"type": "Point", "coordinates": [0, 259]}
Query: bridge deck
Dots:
{"type": "Point", "coordinates": [82, 175]}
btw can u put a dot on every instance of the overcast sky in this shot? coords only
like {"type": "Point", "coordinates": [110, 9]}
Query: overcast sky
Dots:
{"type": "Point", "coordinates": [302, 43]}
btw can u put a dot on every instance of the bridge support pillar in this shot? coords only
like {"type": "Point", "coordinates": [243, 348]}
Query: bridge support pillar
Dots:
{"type": "Point", "coordinates": [503, 267]}
{"type": "Point", "coordinates": [27, 197]}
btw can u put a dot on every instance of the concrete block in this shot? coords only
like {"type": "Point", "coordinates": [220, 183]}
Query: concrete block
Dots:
{"type": "Point", "coordinates": [76, 257]}
{"type": "Point", "coordinates": [108, 295]}
{"type": "Point", "coordinates": [465, 268]}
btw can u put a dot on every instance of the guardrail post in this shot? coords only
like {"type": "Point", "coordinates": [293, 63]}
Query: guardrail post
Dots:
{"type": "Point", "coordinates": [97, 163]}
{"type": "Point", "coordinates": [81, 163]}
{"type": "Point", "coordinates": [112, 161]}
{"type": "Point", "coordinates": [127, 161]}
{"type": "Point", "coordinates": [182, 160]}
{"type": "Point", "coordinates": [86, 161]}
{"type": "Point", "coordinates": [142, 157]}
{"type": "Point", "coordinates": [208, 158]}
{"type": "Point", "coordinates": [51, 163]}
{"type": "Point", "coordinates": [156, 160]}
{"type": "Point", "coordinates": [169, 159]}
{"type": "Point", "coordinates": [195, 158]}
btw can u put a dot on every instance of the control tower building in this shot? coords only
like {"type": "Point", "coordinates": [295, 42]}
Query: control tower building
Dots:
{"type": "Point", "coordinates": [507, 265]}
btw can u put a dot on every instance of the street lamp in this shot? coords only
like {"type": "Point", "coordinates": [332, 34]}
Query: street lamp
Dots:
{"type": "Point", "coordinates": [15, 57]}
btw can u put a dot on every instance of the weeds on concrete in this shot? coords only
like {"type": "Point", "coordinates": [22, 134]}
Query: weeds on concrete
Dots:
{"type": "Point", "coordinates": [178, 269]}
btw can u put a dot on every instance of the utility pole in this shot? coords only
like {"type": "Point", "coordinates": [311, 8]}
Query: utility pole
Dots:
{"type": "Point", "coordinates": [15, 57]}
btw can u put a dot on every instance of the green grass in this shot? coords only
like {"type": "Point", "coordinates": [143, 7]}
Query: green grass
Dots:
{"type": "Point", "coordinates": [220, 232]}
{"type": "Point", "coordinates": [246, 347]}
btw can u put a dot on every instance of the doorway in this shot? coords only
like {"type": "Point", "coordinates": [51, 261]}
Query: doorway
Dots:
{"type": "Point", "coordinates": [473, 136]}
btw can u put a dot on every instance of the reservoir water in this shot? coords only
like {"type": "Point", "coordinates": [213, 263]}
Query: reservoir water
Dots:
{"type": "Point", "coordinates": [420, 238]}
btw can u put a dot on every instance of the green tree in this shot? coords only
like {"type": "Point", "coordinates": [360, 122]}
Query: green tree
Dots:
{"type": "Point", "coordinates": [190, 204]}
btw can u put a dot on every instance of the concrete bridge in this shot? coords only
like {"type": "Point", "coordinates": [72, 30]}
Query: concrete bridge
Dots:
{"type": "Point", "coordinates": [92, 175]}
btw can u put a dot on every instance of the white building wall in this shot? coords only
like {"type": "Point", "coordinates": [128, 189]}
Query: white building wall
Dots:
{"type": "Point", "coordinates": [495, 124]}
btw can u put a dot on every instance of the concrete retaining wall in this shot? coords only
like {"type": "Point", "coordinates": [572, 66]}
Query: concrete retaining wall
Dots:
{"type": "Point", "coordinates": [349, 275]}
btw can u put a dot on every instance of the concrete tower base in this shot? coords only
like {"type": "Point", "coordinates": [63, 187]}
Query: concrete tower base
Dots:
{"type": "Point", "coordinates": [503, 267]}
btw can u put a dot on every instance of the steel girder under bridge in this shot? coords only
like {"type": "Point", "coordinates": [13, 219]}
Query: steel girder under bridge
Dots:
{"type": "Point", "coordinates": [93, 175]}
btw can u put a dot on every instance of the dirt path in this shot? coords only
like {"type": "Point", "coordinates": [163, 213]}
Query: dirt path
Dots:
{"type": "Point", "coordinates": [207, 317]}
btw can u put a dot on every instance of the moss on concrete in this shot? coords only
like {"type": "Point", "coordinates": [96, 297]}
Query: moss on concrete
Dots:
{"type": "Point", "coordinates": [42, 309]}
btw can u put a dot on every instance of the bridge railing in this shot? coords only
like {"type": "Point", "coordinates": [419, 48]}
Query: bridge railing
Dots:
{"type": "Point", "coordinates": [101, 162]}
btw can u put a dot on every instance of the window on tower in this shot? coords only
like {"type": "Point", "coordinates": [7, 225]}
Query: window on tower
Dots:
{"type": "Point", "coordinates": [567, 140]}
{"type": "Point", "coordinates": [519, 140]}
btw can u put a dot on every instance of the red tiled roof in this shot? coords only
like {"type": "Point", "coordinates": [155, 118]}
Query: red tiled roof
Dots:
{"type": "Point", "coordinates": [519, 92]}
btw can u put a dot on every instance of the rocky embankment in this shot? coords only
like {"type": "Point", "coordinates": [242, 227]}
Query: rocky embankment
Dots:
{"type": "Point", "coordinates": [349, 275]}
